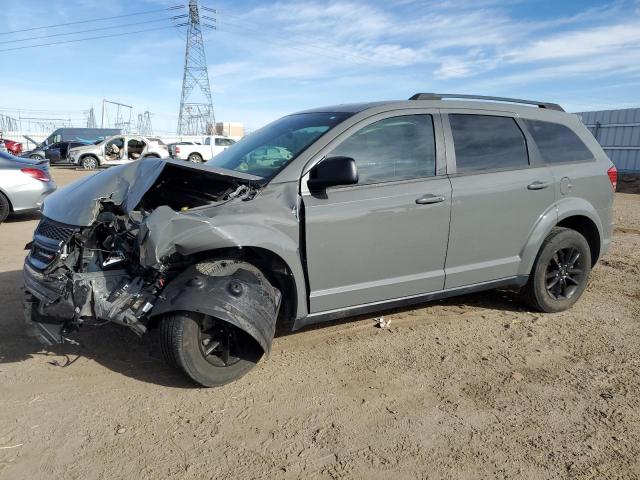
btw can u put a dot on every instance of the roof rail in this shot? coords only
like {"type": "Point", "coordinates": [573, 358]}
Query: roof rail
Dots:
{"type": "Point", "coordinates": [440, 96]}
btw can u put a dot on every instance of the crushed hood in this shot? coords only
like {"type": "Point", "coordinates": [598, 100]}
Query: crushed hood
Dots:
{"type": "Point", "coordinates": [124, 185]}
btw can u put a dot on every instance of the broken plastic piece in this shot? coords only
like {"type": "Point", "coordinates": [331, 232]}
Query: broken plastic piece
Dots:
{"type": "Point", "coordinates": [382, 323]}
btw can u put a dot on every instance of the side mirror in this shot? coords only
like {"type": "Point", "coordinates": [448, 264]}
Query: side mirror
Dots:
{"type": "Point", "coordinates": [332, 171]}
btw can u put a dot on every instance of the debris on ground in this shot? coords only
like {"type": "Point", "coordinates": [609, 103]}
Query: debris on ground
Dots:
{"type": "Point", "coordinates": [382, 323]}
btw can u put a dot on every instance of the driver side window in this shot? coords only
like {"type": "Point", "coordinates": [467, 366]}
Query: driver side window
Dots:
{"type": "Point", "coordinates": [393, 149]}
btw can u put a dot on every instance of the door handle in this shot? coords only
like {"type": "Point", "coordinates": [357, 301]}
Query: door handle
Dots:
{"type": "Point", "coordinates": [538, 185]}
{"type": "Point", "coordinates": [429, 199]}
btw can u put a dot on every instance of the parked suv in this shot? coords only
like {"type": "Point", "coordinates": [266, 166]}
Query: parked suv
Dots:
{"type": "Point", "coordinates": [117, 150]}
{"type": "Point", "coordinates": [321, 215]}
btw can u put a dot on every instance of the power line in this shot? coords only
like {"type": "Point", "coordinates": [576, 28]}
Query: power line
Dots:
{"type": "Point", "coordinates": [93, 29]}
{"type": "Point", "coordinates": [91, 38]}
{"type": "Point", "coordinates": [175, 7]}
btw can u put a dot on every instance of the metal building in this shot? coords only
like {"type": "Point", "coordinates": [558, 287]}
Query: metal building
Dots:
{"type": "Point", "coordinates": [618, 131]}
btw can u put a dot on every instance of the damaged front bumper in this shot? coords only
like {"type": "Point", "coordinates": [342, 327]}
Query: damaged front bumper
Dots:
{"type": "Point", "coordinates": [108, 296]}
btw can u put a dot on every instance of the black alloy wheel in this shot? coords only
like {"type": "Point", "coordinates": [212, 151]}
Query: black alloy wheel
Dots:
{"type": "Point", "coordinates": [565, 273]}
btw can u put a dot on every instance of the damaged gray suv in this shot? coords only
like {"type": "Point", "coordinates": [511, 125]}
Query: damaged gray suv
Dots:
{"type": "Point", "coordinates": [321, 215]}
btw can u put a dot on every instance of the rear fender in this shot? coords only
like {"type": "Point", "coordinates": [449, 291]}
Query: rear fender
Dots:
{"type": "Point", "coordinates": [230, 290]}
{"type": "Point", "coordinates": [565, 208]}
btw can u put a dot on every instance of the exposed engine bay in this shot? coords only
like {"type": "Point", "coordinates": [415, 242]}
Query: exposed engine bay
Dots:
{"type": "Point", "coordinates": [90, 275]}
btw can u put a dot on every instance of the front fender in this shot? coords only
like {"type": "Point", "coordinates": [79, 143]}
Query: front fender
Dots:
{"type": "Point", "coordinates": [165, 232]}
{"type": "Point", "coordinates": [233, 291]}
{"type": "Point", "coordinates": [564, 208]}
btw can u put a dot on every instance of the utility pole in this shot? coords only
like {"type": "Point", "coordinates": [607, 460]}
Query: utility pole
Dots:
{"type": "Point", "coordinates": [196, 108]}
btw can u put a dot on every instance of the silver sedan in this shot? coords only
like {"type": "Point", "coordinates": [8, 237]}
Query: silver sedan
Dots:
{"type": "Point", "coordinates": [24, 183]}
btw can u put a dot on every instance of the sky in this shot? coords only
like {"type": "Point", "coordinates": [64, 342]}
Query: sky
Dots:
{"type": "Point", "coordinates": [267, 59]}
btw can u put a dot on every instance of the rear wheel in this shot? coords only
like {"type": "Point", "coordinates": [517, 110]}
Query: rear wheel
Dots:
{"type": "Point", "coordinates": [560, 273]}
{"type": "Point", "coordinates": [5, 207]}
{"type": "Point", "coordinates": [36, 157]}
{"type": "Point", "coordinates": [89, 163]}
{"type": "Point", "coordinates": [195, 158]}
{"type": "Point", "coordinates": [211, 352]}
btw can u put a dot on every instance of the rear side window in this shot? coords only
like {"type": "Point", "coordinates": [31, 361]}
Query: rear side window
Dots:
{"type": "Point", "coordinates": [557, 143]}
{"type": "Point", "coordinates": [397, 148]}
{"type": "Point", "coordinates": [485, 142]}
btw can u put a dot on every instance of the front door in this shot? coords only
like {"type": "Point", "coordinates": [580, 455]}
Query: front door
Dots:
{"type": "Point", "coordinates": [385, 237]}
{"type": "Point", "coordinates": [499, 195]}
{"type": "Point", "coordinates": [115, 151]}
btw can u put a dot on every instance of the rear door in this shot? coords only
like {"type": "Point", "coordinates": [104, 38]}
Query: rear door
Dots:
{"type": "Point", "coordinates": [573, 164]}
{"type": "Point", "coordinates": [385, 237]}
{"type": "Point", "coordinates": [500, 192]}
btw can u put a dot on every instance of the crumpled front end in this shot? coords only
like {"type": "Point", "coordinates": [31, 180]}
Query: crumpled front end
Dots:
{"type": "Point", "coordinates": [121, 260]}
{"type": "Point", "coordinates": [75, 275]}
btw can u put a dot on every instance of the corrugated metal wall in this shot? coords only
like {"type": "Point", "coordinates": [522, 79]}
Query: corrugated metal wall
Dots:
{"type": "Point", "coordinates": [618, 131]}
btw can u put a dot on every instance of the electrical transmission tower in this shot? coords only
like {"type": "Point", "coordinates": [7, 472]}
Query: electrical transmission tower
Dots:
{"type": "Point", "coordinates": [196, 108]}
{"type": "Point", "coordinates": [91, 118]}
{"type": "Point", "coordinates": [8, 124]}
{"type": "Point", "coordinates": [144, 123]}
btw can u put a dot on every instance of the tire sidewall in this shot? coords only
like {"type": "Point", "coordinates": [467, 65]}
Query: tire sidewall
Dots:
{"type": "Point", "coordinates": [193, 361]}
{"type": "Point", "coordinates": [563, 239]}
{"type": "Point", "coordinates": [5, 207]}
{"type": "Point", "coordinates": [86, 159]}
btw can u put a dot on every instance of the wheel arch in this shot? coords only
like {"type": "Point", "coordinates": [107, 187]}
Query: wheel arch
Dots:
{"type": "Point", "coordinates": [273, 266]}
{"type": "Point", "coordinates": [574, 213]}
{"type": "Point", "coordinates": [230, 289]}
{"type": "Point", "coordinates": [588, 229]}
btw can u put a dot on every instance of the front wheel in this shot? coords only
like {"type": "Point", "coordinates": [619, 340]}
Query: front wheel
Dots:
{"type": "Point", "coordinates": [210, 351]}
{"type": "Point", "coordinates": [36, 157]}
{"type": "Point", "coordinates": [560, 273]}
{"type": "Point", "coordinates": [89, 163]}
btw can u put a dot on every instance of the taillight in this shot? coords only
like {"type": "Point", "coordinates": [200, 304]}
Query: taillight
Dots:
{"type": "Point", "coordinates": [177, 150]}
{"type": "Point", "coordinates": [613, 176]}
{"type": "Point", "coordinates": [36, 173]}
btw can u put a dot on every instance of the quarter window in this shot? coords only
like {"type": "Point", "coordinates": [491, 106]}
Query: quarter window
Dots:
{"type": "Point", "coordinates": [397, 148]}
{"type": "Point", "coordinates": [557, 143]}
{"type": "Point", "coordinates": [224, 142]}
{"type": "Point", "coordinates": [485, 142]}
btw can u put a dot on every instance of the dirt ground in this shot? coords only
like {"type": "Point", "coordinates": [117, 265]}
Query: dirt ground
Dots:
{"type": "Point", "coordinates": [472, 387]}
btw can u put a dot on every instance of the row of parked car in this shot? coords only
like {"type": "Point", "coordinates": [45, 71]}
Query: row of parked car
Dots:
{"type": "Point", "coordinates": [25, 179]}
{"type": "Point", "coordinates": [93, 148]}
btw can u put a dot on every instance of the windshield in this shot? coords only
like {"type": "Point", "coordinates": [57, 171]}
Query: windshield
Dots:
{"type": "Point", "coordinates": [268, 150]}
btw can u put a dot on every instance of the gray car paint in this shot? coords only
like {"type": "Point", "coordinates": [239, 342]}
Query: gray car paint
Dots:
{"type": "Point", "coordinates": [273, 219]}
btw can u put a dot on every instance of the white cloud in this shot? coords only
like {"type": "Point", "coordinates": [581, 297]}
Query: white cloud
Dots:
{"type": "Point", "coordinates": [593, 42]}
{"type": "Point", "coordinates": [453, 39]}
